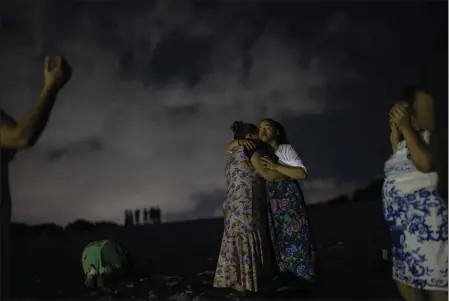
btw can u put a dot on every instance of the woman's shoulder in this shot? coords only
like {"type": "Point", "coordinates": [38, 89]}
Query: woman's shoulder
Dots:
{"type": "Point", "coordinates": [285, 149]}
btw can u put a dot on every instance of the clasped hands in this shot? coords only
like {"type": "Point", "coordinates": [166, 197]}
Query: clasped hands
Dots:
{"type": "Point", "coordinates": [400, 117]}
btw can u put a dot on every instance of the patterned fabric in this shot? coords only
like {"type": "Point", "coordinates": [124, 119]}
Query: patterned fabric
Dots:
{"type": "Point", "coordinates": [241, 259]}
{"type": "Point", "coordinates": [289, 228]}
{"type": "Point", "coordinates": [417, 217]}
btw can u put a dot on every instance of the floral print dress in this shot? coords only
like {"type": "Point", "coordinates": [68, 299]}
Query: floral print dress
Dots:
{"type": "Point", "coordinates": [289, 228]}
{"type": "Point", "coordinates": [417, 217]}
{"type": "Point", "coordinates": [243, 256]}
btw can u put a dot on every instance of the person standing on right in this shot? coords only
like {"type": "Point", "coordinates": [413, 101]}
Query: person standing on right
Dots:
{"type": "Point", "coordinates": [415, 212]}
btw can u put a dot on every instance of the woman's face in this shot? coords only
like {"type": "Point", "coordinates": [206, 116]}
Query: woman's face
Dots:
{"type": "Point", "coordinates": [266, 131]}
{"type": "Point", "coordinates": [424, 111]}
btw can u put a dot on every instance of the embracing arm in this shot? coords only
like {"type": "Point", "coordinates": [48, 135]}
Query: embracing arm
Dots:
{"type": "Point", "coordinates": [420, 151]}
{"type": "Point", "coordinates": [246, 143]}
{"type": "Point", "coordinates": [297, 173]}
{"type": "Point", "coordinates": [267, 174]}
{"type": "Point", "coordinates": [294, 167]}
{"type": "Point", "coordinates": [232, 145]}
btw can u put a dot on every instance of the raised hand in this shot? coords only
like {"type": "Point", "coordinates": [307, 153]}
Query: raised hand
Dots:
{"type": "Point", "coordinates": [399, 116]}
{"type": "Point", "coordinates": [268, 163]}
{"type": "Point", "coordinates": [247, 144]}
{"type": "Point", "coordinates": [59, 75]}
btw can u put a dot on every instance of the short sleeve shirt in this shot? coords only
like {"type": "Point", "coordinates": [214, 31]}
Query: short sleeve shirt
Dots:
{"type": "Point", "coordinates": [287, 155]}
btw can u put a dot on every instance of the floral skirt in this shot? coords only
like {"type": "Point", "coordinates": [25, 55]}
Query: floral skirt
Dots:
{"type": "Point", "coordinates": [417, 217]}
{"type": "Point", "coordinates": [241, 262]}
{"type": "Point", "coordinates": [289, 229]}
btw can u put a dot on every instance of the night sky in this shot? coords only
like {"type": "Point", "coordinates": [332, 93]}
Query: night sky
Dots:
{"type": "Point", "coordinates": [156, 85]}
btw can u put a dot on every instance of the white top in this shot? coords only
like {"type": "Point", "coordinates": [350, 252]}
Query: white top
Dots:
{"type": "Point", "coordinates": [287, 155]}
{"type": "Point", "coordinates": [400, 163]}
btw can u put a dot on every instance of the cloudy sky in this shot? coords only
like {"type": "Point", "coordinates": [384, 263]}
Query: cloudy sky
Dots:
{"type": "Point", "coordinates": [156, 85]}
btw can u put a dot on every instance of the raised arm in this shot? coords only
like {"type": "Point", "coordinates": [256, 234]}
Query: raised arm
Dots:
{"type": "Point", "coordinates": [294, 172]}
{"type": "Point", "coordinates": [27, 131]}
{"type": "Point", "coordinates": [293, 167]}
{"type": "Point", "coordinates": [420, 151]}
{"type": "Point", "coordinates": [246, 143]}
{"type": "Point", "coordinates": [267, 174]}
{"type": "Point", "coordinates": [394, 137]}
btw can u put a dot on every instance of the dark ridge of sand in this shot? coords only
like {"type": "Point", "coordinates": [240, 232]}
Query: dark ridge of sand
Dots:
{"type": "Point", "coordinates": [177, 260]}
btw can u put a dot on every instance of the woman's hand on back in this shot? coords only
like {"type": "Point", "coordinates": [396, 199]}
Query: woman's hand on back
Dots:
{"type": "Point", "coordinates": [268, 163]}
{"type": "Point", "coordinates": [247, 144]}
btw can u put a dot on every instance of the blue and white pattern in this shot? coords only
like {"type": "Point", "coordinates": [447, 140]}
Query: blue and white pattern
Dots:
{"type": "Point", "coordinates": [417, 217]}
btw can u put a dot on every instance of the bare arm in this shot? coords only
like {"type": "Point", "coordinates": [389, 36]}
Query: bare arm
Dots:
{"type": "Point", "coordinates": [267, 174]}
{"type": "Point", "coordinates": [11, 138]}
{"type": "Point", "coordinates": [420, 152]}
{"type": "Point", "coordinates": [394, 137]}
{"type": "Point", "coordinates": [246, 143]}
{"type": "Point", "coordinates": [294, 167]}
{"type": "Point", "coordinates": [232, 145]}
{"type": "Point", "coordinates": [297, 173]}
{"type": "Point", "coordinates": [27, 131]}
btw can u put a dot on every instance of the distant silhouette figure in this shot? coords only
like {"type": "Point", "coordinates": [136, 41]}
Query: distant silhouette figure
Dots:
{"type": "Point", "coordinates": [152, 214]}
{"type": "Point", "coordinates": [20, 135]}
{"type": "Point", "coordinates": [157, 219]}
{"type": "Point", "coordinates": [146, 214]}
{"type": "Point", "coordinates": [155, 215]}
{"type": "Point", "coordinates": [129, 219]}
{"type": "Point", "coordinates": [137, 217]}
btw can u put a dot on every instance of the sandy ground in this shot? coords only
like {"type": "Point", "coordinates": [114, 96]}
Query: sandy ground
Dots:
{"type": "Point", "coordinates": [177, 261]}
{"type": "Point", "coordinates": [186, 276]}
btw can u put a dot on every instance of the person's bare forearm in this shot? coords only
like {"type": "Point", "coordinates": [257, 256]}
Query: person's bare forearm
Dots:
{"type": "Point", "coordinates": [232, 145]}
{"type": "Point", "coordinates": [297, 173]}
{"type": "Point", "coordinates": [394, 144]}
{"type": "Point", "coordinates": [32, 124]}
{"type": "Point", "coordinates": [419, 151]}
{"type": "Point", "coordinates": [394, 147]}
{"type": "Point", "coordinates": [267, 174]}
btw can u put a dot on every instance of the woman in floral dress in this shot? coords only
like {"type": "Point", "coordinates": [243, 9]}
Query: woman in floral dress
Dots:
{"type": "Point", "coordinates": [242, 255]}
{"type": "Point", "coordinates": [287, 216]}
{"type": "Point", "coordinates": [416, 213]}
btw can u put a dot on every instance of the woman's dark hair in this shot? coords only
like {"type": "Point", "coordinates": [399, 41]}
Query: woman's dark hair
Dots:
{"type": "Point", "coordinates": [282, 134]}
{"type": "Point", "coordinates": [242, 129]}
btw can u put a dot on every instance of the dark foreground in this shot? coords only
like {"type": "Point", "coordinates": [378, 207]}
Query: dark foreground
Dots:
{"type": "Point", "coordinates": [192, 275]}
{"type": "Point", "coordinates": [177, 261]}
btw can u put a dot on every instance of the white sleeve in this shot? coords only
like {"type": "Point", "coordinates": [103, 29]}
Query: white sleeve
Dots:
{"type": "Point", "coordinates": [291, 157]}
{"type": "Point", "coordinates": [425, 136]}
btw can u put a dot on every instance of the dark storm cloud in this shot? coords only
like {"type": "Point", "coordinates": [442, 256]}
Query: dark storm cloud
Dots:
{"type": "Point", "coordinates": [77, 148]}
{"type": "Point", "coordinates": [145, 118]}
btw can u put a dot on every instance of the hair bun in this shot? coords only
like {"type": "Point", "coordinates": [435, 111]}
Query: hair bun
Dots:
{"type": "Point", "coordinates": [236, 125]}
